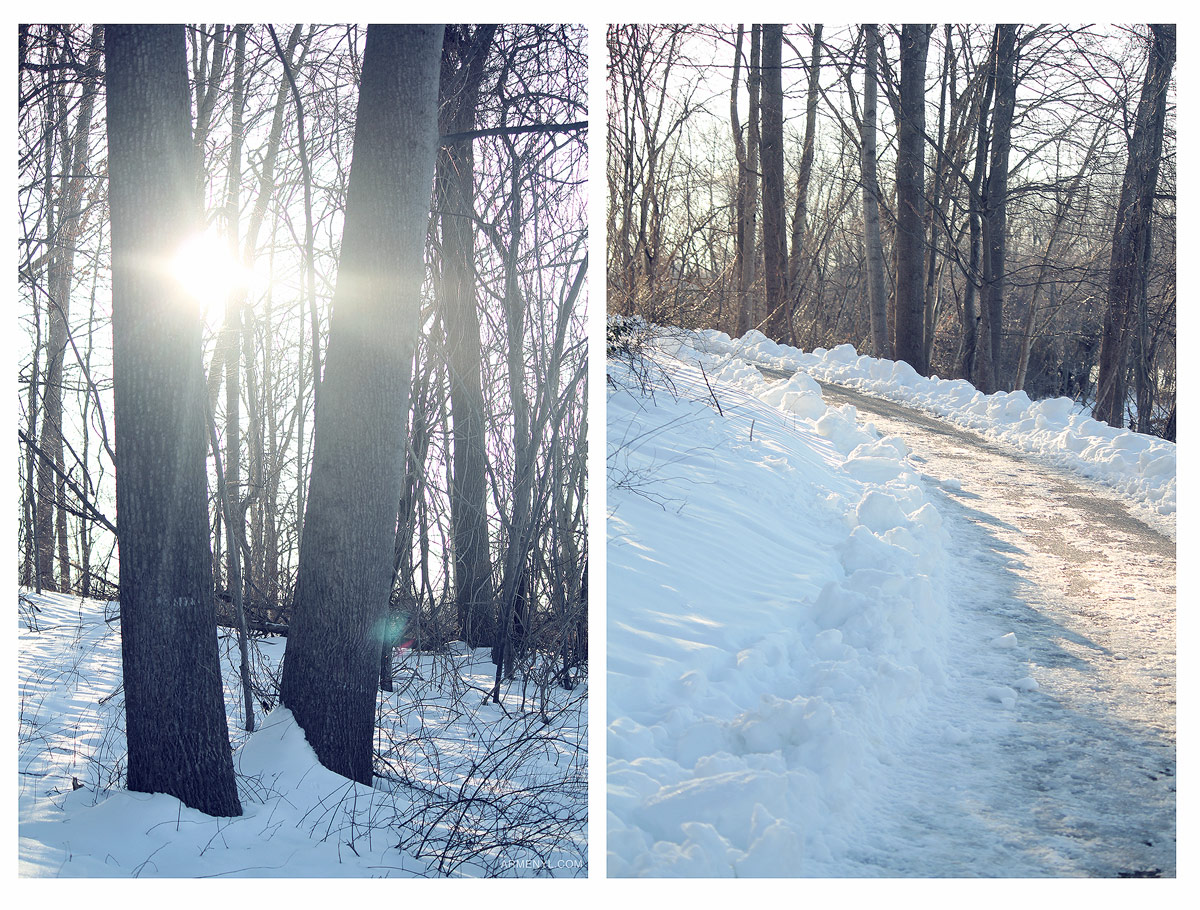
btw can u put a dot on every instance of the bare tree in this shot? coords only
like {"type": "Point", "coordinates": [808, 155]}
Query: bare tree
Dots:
{"type": "Point", "coordinates": [746, 200]}
{"type": "Point", "coordinates": [977, 340]}
{"type": "Point", "coordinates": [995, 219]}
{"type": "Point", "coordinates": [51, 513]}
{"type": "Point", "coordinates": [1131, 240]}
{"type": "Point", "coordinates": [804, 176]}
{"type": "Point", "coordinates": [331, 670]}
{"type": "Point", "coordinates": [876, 283]}
{"type": "Point", "coordinates": [463, 59]}
{"type": "Point", "coordinates": [175, 723]}
{"type": "Point", "coordinates": [777, 325]}
{"type": "Point", "coordinates": [910, 199]}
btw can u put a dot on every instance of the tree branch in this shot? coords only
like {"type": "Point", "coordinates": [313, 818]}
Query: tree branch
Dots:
{"type": "Point", "coordinates": [451, 138]}
{"type": "Point", "coordinates": [49, 460]}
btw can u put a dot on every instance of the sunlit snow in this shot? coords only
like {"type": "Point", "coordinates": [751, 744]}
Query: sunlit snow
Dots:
{"type": "Point", "coordinates": [832, 654]}
{"type": "Point", "coordinates": [461, 788]}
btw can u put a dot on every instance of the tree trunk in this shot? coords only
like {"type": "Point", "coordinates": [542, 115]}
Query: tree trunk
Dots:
{"type": "Point", "coordinates": [748, 190]}
{"type": "Point", "coordinates": [331, 668]}
{"type": "Point", "coordinates": [932, 271]}
{"type": "Point", "coordinates": [175, 723]}
{"type": "Point", "coordinates": [743, 232]}
{"type": "Point", "coordinates": [462, 64]}
{"type": "Point", "coordinates": [910, 199]}
{"type": "Point", "coordinates": [977, 346]}
{"type": "Point", "coordinates": [1063, 208]}
{"type": "Point", "coordinates": [800, 216]}
{"type": "Point", "coordinates": [996, 214]}
{"type": "Point", "coordinates": [231, 335]}
{"type": "Point", "coordinates": [520, 525]}
{"type": "Point", "coordinates": [310, 274]}
{"type": "Point", "coordinates": [774, 226]}
{"type": "Point", "coordinates": [876, 283]}
{"type": "Point", "coordinates": [51, 518]}
{"type": "Point", "coordinates": [1131, 233]}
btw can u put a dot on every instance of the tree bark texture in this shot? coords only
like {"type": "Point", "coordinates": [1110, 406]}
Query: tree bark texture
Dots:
{"type": "Point", "coordinates": [976, 347]}
{"type": "Point", "coordinates": [774, 226]}
{"type": "Point", "coordinates": [933, 272]}
{"type": "Point", "coordinates": [175, 722]}
{"type": "Point", "coordinates": [996, 213]}
{"type": "Point", "coordinates": [232, 331]}
{"type": "Point", "coordinates": [747, 212]}
{"type": "Point", "coordinates": [463, 59]}
{"type": "Point", "coordinates": [910, 199]}
{"type": "Point", "coordinates": [742, 255]}
{"type": "Point", "coordinates": [876, 282]}
{"type": "Point", "coordinates": [331, 666]}
{"type": "Point", "coordinates": [51, 517]}
{"type": "Point", "coordinates": [1131, 232]}
{"type": "Point", "coordinates": [808, 146]}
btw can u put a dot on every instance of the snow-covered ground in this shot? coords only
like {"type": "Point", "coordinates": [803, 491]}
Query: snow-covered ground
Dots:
{"type": "Point", "coordinates": [796, 686]}
{"type": "Point", "coordinates": [462, 788]}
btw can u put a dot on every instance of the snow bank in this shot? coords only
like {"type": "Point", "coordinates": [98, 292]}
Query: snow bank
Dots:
{"type": "Point", "coordinates": [776, 618]}
{"type": "Point", "coordinates": [1138, 466]}
{"type": "Point", "coordinates": [285, 790]}
{"type": "Point", "coordinates": [474, 789]}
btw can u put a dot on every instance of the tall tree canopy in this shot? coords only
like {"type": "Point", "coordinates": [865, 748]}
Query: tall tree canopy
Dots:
{"type": "Point", "coordinates": [990, 160]}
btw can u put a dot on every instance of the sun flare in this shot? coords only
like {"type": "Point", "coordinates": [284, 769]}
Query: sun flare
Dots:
{"type": "Point", "coordinates": [209, 272]}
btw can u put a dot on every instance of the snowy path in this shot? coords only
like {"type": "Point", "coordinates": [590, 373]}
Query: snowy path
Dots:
{"type": "Point", "coordinates": [1052, 750]}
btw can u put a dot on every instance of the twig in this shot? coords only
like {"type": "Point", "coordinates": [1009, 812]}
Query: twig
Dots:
{"type": "Point", "coordinates": [711, 392]}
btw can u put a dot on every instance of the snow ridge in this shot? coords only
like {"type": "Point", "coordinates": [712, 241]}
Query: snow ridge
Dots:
{"type": "Point", "coordinates": [777, 616]}
{"type": "Point", "coordinates": [1138, 466]}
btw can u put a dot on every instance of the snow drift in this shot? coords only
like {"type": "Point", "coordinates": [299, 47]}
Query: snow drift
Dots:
{"type": "Point", "coordinates": [776, 603]}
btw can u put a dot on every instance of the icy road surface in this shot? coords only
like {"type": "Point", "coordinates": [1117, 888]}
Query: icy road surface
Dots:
{"type": "Point", "coordinates": [1077, 777]}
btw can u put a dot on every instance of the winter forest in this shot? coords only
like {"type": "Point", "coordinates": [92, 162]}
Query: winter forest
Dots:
{"type": "Point", "coordinates": [988, 203]}
{"type": "Point", "coordinates": [302, 321]}
{"type": "Point", "coordinates": [886, 542]}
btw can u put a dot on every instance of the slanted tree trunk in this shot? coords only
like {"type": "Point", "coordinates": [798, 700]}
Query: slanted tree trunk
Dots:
{"type": "Point", "coordinates": [331, 667]}
{"type": "Point", "coordinates": [208, 77]}
{"type": "Point", "coordinates": [175, 723]}
{"type": "Point", "coordinates": [910, 199]}
{"type": "Point", "coordinates": [310, 274]}
{"type": "Point", "coordinates": [265, 468]}
{"type": "Point", "coordinates": [1131, 233]}
{"type": "Point", "coordinates": [876, 282]}
{"type": "Point", "coordinates": [525, 442]}
{"type": "Point", "coordinates": [800, 215]}
{"type": "Point", "coordinates": [774, 226]}
{"type": "Point", "coordinates": [51, 517]}
{"type": "Point", "coordinates": [266, 189]}
{"type": "Point", "coordinates": [1065, 201]}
